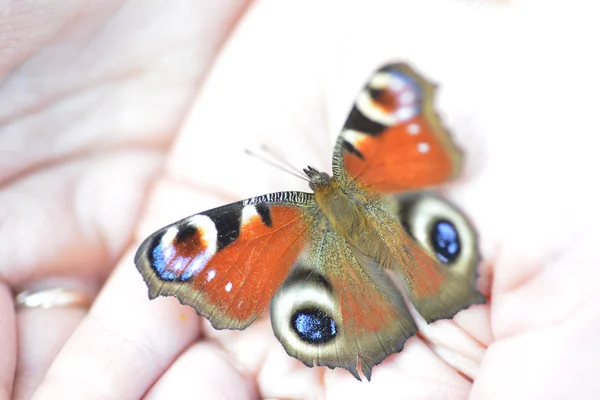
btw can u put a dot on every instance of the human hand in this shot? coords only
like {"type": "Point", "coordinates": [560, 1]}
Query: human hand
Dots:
{"type": "Point", "coordinates": [92, 94]}
{"type": "Point", "coordinates": [289, 82]}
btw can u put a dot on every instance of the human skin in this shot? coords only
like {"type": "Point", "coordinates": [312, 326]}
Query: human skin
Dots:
{"type": "Point", "coordinates": [117, 118]}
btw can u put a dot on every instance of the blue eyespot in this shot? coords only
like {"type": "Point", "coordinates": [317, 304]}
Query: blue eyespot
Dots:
{"type": "Point", "coordinates": [445, 241]}
{"type": "Point", "coordinates": [314, 326]}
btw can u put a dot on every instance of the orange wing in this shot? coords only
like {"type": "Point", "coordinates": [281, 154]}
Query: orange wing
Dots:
{"type": "Point", "coordinates": [393, 140]}
{"type": "Point", "coordinates": [228, 262]}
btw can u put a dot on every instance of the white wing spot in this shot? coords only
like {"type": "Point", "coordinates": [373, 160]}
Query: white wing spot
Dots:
{"type": "Point", "coordinates": [423, 147]}
{"type": "Point", "coordinates": [228, 287]}
{"type": "Point", "coordinates": [169, 236]}
{"type": "Point", "coordinates": [414, 129]}
{"type": "Point", "coordinates": [405, 113]}
{"type": "Point", "coordinates": [211, 275]}
{"type": "Point", "coordinates": [248, 212]}
{"type": "Point", "coordinates": [380, 80]}
{"type": "Point", "coordinates": [208, 232]}
{"type": "Point", "coordinates": [372, 109]}
{"type": "Point", "coordinates": [353, 137]}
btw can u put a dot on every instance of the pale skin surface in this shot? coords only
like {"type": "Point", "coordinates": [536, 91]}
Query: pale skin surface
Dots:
{"type": "Point", "coordinates": [111, 127]}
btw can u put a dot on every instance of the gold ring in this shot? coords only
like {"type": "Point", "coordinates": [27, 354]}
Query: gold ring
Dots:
{"type": "Point", "coordinates": [55, 297]}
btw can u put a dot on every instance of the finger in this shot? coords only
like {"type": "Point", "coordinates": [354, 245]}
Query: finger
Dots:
{"type": "Point", "coordinates": [27, 32]}
{"type": "Point", "coordinates": [56, 323]}
{"type": "Point", "coordinates": [36, 351]}
{"type": "Point", "coordinates": [547, 328]}
{"type": "Point", "coordinates": [124, 343]}
{"type": "Point", "coordinates": [8, 342]}
{"type": "Point", "coordinates": [220, 379]}
{"type": "Point", "coordinates": [93, 229]}
{"type": "Point", "coordinates": [101, 59]}
{"type": "Point", "coordinates": [414, 374]}
{"type": "Point", "coordinates": [81, 180]}
{"type": "Point", "coordinates": [65, 241]}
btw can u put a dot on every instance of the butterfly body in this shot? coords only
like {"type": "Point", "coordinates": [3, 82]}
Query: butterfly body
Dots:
{"type": "Point", "coordinates": [336, 265]}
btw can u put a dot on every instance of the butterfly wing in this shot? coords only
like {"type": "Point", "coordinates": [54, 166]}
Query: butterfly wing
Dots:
{"type": "Point", "coordinates": [433, 249]}
{"type": "Point", "coordinates": [340, 309]}
{"type": "Point", "coordinates": [228, 262]}
{"type": "Point", "coordinates": [393, 140]}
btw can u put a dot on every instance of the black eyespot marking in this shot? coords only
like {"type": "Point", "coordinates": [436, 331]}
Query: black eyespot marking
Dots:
{"type": "Point", "coordinates": [375, 93]}
{"type": "Point", "coordinates": [265, 214]}
{"type": "Point", "coordinates": [313, 326]}
{"type": "Point", "coordinates": [445, 241]}
{"type": "Point", "coordinates": [154, 250]}
{"type": "Point", "coordinates": [186, 233]}
{"type": "Point", "coordinates": [359, 122]}
{"type": "Point", "coordinates": [227, 221]}
{"type": "Point", "coordinates": [322, 280]}
{"type": "Point", "coordinates": [352, 150]}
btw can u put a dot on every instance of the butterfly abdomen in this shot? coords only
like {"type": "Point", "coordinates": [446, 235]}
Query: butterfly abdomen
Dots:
{"type": "Point", "coordinates": [344, 206]}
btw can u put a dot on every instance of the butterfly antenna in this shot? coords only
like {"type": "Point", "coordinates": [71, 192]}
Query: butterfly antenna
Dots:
{"type": "Point", "coordinates": [277, 154]}
{"type": "Point", "coordinates": [272, 163]}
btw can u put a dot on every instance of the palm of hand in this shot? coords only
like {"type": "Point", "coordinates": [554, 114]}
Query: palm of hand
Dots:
{"type": "Point", "coordinates": [88, 142]}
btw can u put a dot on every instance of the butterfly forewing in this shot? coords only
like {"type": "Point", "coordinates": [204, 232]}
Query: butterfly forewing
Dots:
{"type": "Point", "coordinates": [393, 140]}
{"type": "Point", "coordinates": [228, 262]}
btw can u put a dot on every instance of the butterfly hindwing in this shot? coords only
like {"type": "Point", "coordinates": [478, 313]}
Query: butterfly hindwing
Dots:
{"type": "Point", "coordinates": [340, 309]}
{"type": "Point", "coordinates": [438, 286]}
{"type": "Point", "coordinates": [393, 140]}
{"type": "Point", "coordinates": [228, 262]}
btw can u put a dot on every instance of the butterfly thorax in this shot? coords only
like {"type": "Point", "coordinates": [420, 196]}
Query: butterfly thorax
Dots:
{"type": "Point", "coordinates": [342, 203]}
